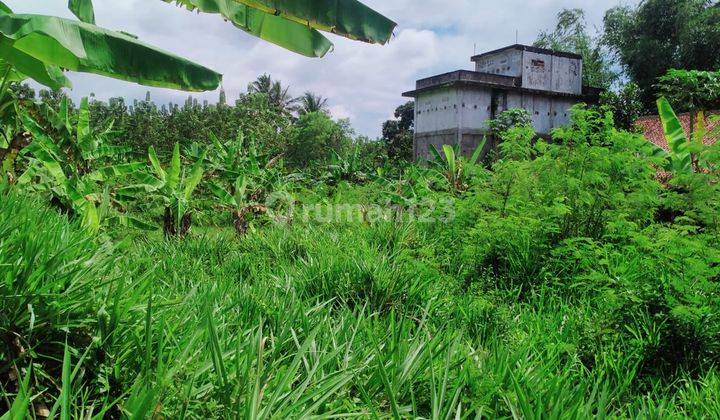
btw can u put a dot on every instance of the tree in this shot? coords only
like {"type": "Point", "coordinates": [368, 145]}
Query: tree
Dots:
{"type": "Point", "coordinates": [571, 35]}
{"type": "Point", "coordinates": [278, 96]}
{"type": "Point", "coordinates": [311, 102]}
{"type": "Point", "coordinates": [659, 35]}
{"type": "Point", "coordinates": [625, 104]}
{"type": "Point", "coordinates": [315, 139]}
{"type": "Point", "coordinates": [398, 133]}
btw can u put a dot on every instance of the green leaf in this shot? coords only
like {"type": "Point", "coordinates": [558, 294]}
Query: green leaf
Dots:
{"type": "Point", "coordinates": [478, 151]}
{"type": "Point", "coordinates": [450, 159]}
{"type": "Point", "coordinates": [347, 18]}
{"type": "Point", "coordinates": [288, 34]}
{"type": "Point", "coordinates": [83, 133]}
{"type": "Point", "coordinates": [676, 138]}
{"type": "Point", "coordinates": [83, 9]}
{"type": "Point", "coordinates": [159, 171]}
{"type": "Point", "coordinates": [66, 390]}
{"type": "Point", "coordinates": [173, 178]}
{"type": "Point", "coordinates": [26, 66]}
{"type": "Point", "coordinates": [240, 188]}
{"type": "Point", "coordinates": [4, 8]}
{"type": "Point", "coordinates": [196, 174]}
{"type": "Point", "coordinates": [88, 48]}
{"type": "Point", "coordinates": [21, 404]}
{"type": "Point", "coordinates": [224, 196]}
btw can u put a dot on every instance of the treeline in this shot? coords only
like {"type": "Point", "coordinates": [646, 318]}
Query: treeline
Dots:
{"type": "Point", "coordinates": [636, 46]}
{"type": "Point", "coordinates": [300, 129]}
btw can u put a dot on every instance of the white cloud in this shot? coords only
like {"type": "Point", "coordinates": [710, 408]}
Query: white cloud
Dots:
{"type": "Point", "coordinates": [362, 82]}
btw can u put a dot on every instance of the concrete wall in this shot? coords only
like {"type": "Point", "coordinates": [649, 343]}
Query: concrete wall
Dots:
{"type": "Point", "coordinates": [567, 75]}
{"type": "Point", "coordinates": [460, 115]}
{"type": "Point", "coordinates": [507, 63]}
{"type": "Point", "coordinates": [475, 108]}
{"type": "Point", "coordinates": [437, 110]}
{"type": "Point", "coordinates": [552, 73]}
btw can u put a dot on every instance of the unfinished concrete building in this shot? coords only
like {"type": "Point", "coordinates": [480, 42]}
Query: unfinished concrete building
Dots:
{"type": "Point", "coordinates": [453, 108]}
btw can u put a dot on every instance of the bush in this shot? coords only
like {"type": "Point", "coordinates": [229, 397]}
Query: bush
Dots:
{"type": "Point", "coordinates": [315, 138]}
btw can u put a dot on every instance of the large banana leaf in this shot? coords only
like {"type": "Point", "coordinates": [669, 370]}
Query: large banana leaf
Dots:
{"type": "Point", "coordinates": [88, 48]}
{"type": "Point", "coordinates": [196, 174]}
{"type": "Point", "coordinates": [23, 66]}
{"type": "Point", "coordinates": [83, 9]}
{"type": "Point", "coordinates": [290, 35]}
{"type": "Point", "coordinates": [681, 158]}
{"type": "Point", "coordinates": [348, 18]}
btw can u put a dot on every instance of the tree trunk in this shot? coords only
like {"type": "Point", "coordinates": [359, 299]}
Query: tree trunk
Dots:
{"type": "Point", "coordinates": [171, 229]}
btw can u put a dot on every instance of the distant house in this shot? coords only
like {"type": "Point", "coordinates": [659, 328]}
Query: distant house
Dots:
{"type": "Point", "coordinates": [453, 108]}
{"type": "Point", "coordinates": [653, 130]}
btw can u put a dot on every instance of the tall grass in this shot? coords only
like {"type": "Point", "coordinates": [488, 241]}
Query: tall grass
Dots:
{"type": "Point", "coordinates": [554, 293]}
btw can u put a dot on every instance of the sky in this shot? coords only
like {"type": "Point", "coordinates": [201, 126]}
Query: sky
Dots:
{"type": "Point", "coordinates": [362, 82]}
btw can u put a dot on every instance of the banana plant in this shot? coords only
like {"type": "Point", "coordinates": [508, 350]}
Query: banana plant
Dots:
{"type": "Point", "coordinates": [684, 152]}
{"type": "Point", "coordinates": [296, 25]}
{"type": "Point", "coordinates": [238, 202]}
{"type": "Point", "coordinates": [173, 188]}
{"type": "Point", "coordinates": [65, 169]}
{"type": "Point", "coordinates": [42, 47]}
{"type": "Point", "coordinates": [345, 168]}
{"type": "Point", "coordinates": [453, 167]}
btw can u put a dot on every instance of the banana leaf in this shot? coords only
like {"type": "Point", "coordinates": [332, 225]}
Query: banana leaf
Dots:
{"type": "Point", "coordinates": [196, 174]}
{"type": "Point", "coordinates": [88, 48]}
{"type": "Point", "coordinates": [288, 34]}
{"type": "Point", "coordinates": [83, 9]}
{"type": "Point", "coordinates": [347, 18]}
{"type": "Point", "coordinates": [19, 66]}
{"type": "Point", "coordinates": [225, 197]}
{"type": "Point", "coordinates": [678, 143]}
{"type": "Point", "coordinates": [173, 174]}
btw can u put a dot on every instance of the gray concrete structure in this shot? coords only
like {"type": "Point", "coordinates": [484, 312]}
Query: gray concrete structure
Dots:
{"type": "Point", "coordinates": [453, 108]}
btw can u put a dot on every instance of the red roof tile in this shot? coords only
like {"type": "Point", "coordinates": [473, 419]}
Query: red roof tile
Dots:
{"type": "Point", "coordinates": [653, 130]}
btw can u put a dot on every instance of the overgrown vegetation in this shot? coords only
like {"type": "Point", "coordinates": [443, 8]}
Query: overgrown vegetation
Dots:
{"type": "Point", "coordinates": [563, 278]}
{"type": "Point", "coordinates": [256, 260]}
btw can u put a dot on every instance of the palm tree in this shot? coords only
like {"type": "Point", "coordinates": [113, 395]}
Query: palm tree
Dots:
{"type": "Point", "coordinates": [278, 96]}
{"type": "Point", "coordinates": [311, 102]}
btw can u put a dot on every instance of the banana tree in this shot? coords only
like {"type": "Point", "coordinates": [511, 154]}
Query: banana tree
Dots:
{"type": "Point", "coordinates": [238, 202]}
{"type": "Point", "coordinates": [684, 153]}
{"type": "Point", "coordinates": [65, 168]}
{"type": "Point", "coordinates": [453, 167]}
{"type": "Point", "coordinates": [41, 47]}
{"type": "Point", "coordinates": [173, 188]}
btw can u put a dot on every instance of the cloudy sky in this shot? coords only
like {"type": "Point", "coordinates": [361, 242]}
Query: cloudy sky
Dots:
{"type": "Point", "coordinates": [362, 82]}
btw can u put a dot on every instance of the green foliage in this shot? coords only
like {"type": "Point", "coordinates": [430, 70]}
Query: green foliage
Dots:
{"type": "Point", "coordinates": [509, 119]}
{"type": "Point", "coordinates": [571, 35]}
{"type": "Point", "coordinates": [562, 280]}
{"type": "Point", "coordinates": [173, 188]}
{"type": "Point", "coordinates": [625, 104]}
{"type": "Point", "coordinates": [658, 35]}
{"type": "Point", "coordinates": [398, 133]}
{"type": "Point", "coordinates": [314, 139]}
{"type": "Point", "coordinates": [691, 90]}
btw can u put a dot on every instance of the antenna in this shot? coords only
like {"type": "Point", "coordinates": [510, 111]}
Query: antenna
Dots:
{"type": "Point", "coordinates": [516, 36]}
{"type": "Point", "coordinates": [474, 48]}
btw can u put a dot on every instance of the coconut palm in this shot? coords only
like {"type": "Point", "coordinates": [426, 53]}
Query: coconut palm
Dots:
{"type": "Point", "coordinates": [278, 95]}
{"type": "Point", "coordinates": [311, 102]}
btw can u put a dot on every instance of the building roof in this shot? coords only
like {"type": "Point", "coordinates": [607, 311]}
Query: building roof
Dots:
{"type": "Point", "coordinates": [653, 130]}
{"type": "Point", "coordinates": [531, 49]}
{"type": "Point", "coordinates": [489, 80]}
